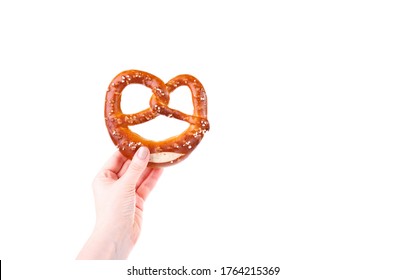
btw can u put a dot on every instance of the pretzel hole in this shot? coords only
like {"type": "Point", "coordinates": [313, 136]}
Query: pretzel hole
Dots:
{"type": "Point", "coordinates": [181, 100]}
{"type": "Point", "coordinates": [135, 98]}
{"type": "Point", "coordinates": [160, 128]}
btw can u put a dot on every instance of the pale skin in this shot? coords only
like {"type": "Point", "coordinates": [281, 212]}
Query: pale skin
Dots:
{"type": "Point", "coordinates": [120, 190]}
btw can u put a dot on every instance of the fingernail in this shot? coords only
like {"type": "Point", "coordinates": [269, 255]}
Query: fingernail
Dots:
{"type": "Point", "coordinates": [142, 153]}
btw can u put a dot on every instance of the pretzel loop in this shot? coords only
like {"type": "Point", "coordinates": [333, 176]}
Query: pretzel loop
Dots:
{"type": "Point", "coordinates": [166, 152]}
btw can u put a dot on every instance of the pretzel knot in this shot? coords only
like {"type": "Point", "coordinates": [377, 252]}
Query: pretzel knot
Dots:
{"type": "Point", "coordinates": [171, 150]}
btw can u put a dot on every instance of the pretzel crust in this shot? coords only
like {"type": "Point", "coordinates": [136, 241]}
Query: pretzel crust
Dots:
{"type": "Point", "coordinates": [166, 152]}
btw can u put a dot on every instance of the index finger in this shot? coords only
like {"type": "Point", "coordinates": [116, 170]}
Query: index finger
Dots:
{"type": "Point", "coordinates": [115, 163]}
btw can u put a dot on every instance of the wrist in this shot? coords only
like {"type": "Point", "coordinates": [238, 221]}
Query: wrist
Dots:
{"type": "Point", "coordinates": [108, 243]}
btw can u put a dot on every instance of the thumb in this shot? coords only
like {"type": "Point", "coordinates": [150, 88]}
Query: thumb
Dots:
{"type": "Point", "coordinates": [136, 167]}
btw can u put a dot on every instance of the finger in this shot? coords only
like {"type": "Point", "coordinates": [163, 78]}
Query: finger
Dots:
{"type": "Point", "coordinates": [112, 166]}
{"type": "Point", "coordinates": [149, 183]}
{"type": "Point", "coordinates": [124, 168]}
{"type": "Point", "coordinates": [136, 167]}
{"type": "Point", "coordinates": [144, 175]}
{"type": "Point", "coordinates": [115, 162]}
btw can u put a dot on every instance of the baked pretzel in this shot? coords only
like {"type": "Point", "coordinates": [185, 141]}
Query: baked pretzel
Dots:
{"type": "Point", "coordinates": [166, 152]}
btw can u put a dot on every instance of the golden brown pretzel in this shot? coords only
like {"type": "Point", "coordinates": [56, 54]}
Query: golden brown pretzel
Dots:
{"type": "Point", "coordinates": [166, 152]}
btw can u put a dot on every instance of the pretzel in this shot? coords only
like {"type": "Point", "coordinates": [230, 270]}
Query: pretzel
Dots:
{"type": "Point", "coordinates": [165, 152]}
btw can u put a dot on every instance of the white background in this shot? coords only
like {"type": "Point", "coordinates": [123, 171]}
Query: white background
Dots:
{"type": "Point", "coordinates": [303, 167]}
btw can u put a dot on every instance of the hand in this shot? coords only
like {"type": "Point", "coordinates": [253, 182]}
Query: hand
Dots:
{"type": "Point", "coordinates": [120, 190]}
